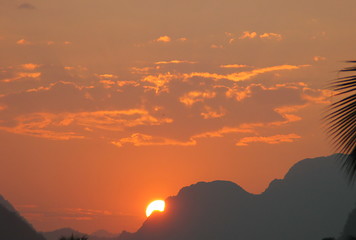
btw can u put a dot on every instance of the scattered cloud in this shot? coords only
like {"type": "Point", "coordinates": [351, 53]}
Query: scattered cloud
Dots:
{"type": "Point", "coordinates": [252, 35]}
{"type": "Point", "coordinates": [138, 140]}
{"type": "Point", "coordinates": [276, 139]}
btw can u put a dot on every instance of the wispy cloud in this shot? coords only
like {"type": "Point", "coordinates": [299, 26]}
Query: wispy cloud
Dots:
{"type": "Point", "coordinates": [276, 139]}
{"type": "Point", "coordinates": [242, 76]}
{"type": "Point", "coordinates": [233, 66]}
{"type": "Point", "coordinates": [174, 62]}
{"type": "Point", "coordinates": [139, 139]}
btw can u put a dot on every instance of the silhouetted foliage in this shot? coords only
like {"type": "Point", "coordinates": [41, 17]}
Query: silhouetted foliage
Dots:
{"type": "Point", "coordinates": [341, 120]}
{"type": "Point", "coordinates": [328, 238]}
{"type": "Point", "coordinates": [74, 238]}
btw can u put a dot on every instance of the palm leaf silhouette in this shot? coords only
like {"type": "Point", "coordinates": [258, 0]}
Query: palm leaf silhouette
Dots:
{"type": "Point", "coordinates": [341, 119]}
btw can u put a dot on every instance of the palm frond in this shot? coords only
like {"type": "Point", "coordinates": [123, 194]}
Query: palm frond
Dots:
{"type": "Point", "coordinates": [341, 120]}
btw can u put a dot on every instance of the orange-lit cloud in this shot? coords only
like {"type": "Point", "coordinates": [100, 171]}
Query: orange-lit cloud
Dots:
{"type": "Point", "coordinates": [23, 42]}
{"type": "Point", "coordinates": [159, 83]}
{"type": "Point", "coordinates": [233, 66]}
{"type": "Point", "coordinates": [193, 97]}
{"type": "Point", "coordinates": [23, 75]}
{"type": "Point", "coordinates": [138, 139]}
{"type": "Point", "coordinates": [30, 66]}
{"type": "Point", "coordinates": [164, 39]}
{"type": "Point", "coordinates": [106, 76]}
{"type": "Point", "coordinates": [248, 35]}
{"type": "Point", "coordinates": [242, 76]}
{"type": "Point", "coordinates": [319, 58]}
{"type": "Point", "coordinates": [182, 39]}
{"type": "Point", "coordinates": [276, 139]}
{"type": "Point", "coordinates": [53, 126]}
{"type": "Point", "coordinates": [216, 46]}
{"type": "Point", "coordinates": [272, 36]}
{"type": "Point", "coordinates": [210, 113]}
{"type": "Point", "coordinates": [174, 62]}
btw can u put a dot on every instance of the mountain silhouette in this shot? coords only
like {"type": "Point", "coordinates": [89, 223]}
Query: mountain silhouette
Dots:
{"type": "Point", "coordinates": [312, 202]}
{"type": "Point", "coordinates": [67, 232]}
{"type": "Point", "coordinates": [350, 227]}
{"type": "Point", "coordinates": [13, 226]}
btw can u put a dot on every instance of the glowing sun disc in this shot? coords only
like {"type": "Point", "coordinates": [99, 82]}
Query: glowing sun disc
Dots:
{"type": "Point", "coordinates": [157, 205]}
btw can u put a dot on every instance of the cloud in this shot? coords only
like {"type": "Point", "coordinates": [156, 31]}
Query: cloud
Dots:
{"type": "Point", "coordinates": [106, 76]}
{"type": "Point", "coordinates": [26, 6]}
{"type": "Point", "coordinates": [242, 76]}
{"type": "Point", "coordinates": [23, 76]}
{"type": "Point", "coordinates": [319, 58]}
{"type": "Point", "coordinates": [233, 66]}
{"type": "Point", "coordinates": [139, 139]}
{"type": "Point", "coordinates": [23, 42]}
{"type": "Point", "coordinates": [216, 46]}
{"type": "Point", "coordinates": [30, 66]}
{"type": "Point", "coordinates": [193, 97]}
{"type": "Point", "coordinates": [272, 36]}
{"type": "Point", "coordinates": [210, 113]}
{"type": "Point", "coordinates": [166, 108]}
{"type": "Point", "coordinates": [252, 35]}
{"type": "Point", "coordinates": [276, 139]}
{"type": "Point", "coordinates": [248, 35]}
{"type": "Point", "coordinates": [164, 39]}
{"type": "Point", "coordinates": [174, 62]}
{"type": "Point", "coordinates": [182, 39]}
{"type": "Point", "coordinates": [52, 126]}
{"type": "Point", "coordinates": [159, 83]}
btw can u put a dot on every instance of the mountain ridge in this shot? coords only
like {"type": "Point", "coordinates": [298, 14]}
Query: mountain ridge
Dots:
{"type": "Point", "coordinates": [312, 201]}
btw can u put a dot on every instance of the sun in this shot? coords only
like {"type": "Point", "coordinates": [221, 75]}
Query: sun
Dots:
{"type": "Point", "coordinates": [157, 205]}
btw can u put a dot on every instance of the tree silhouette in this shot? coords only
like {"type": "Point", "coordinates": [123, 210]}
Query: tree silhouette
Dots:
{"type": "Point", "coordinates": [74, 238]}
{"type": "Point", "coordinates": [341, 119]}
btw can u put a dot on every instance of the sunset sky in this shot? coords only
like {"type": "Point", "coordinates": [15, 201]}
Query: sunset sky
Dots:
{"type": "Point", "coordinates": [106, 105]}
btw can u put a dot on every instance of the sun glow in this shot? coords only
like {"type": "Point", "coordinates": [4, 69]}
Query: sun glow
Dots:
{"type": "Point", "coordinates": [157, 205]}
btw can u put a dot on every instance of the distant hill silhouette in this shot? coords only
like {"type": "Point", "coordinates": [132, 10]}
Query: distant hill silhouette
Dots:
{"type": "Point", "coordinates": [103, 235]}
{"type": "Point", "coordinates": [67, 232]}
{"type": "Point", "coordinates": [13, 226]}
{"type": "Point", "coordinates": [63, 232]}
{"type": "Point", "coordinates": [312, 202]}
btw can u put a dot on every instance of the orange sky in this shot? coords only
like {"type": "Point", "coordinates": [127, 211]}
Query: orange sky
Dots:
{"type": "Point", "coordinates": [107, 105]}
